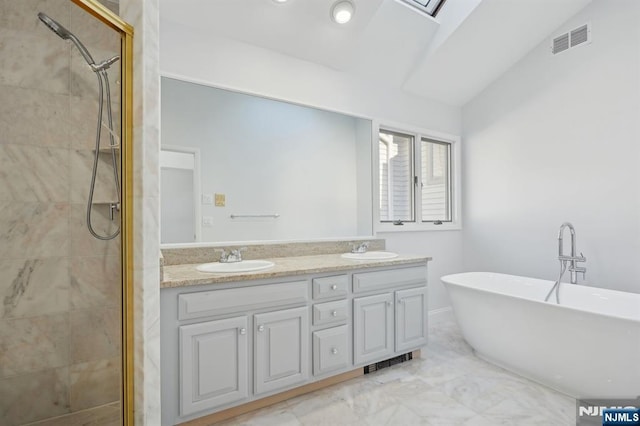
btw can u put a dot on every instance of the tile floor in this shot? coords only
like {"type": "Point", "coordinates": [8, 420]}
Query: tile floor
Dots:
{"type": "Point", "coordinates": [448, 385]}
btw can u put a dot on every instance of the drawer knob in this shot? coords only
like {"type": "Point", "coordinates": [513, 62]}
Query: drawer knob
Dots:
{"type": "Point", "coordinates": [388, 303]}
{"type": "Point", "coordinates": [334, 313]}
{"type": "Point", "coordinates": [334, 287]}
{"type": "Point", "coordinates": [243, 331]}
{"type": "Point", "coordinates": [334, 351]}
{"type": "Point", "coordinates": [261, 328]}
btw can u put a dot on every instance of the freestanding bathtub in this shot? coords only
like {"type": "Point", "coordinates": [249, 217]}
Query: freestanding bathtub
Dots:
{"type": "Point", "coordinates": [586, 347]}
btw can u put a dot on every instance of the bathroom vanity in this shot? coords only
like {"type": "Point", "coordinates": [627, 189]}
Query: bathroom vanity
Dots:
{"type": "Point", "coordinates": [232, 339]}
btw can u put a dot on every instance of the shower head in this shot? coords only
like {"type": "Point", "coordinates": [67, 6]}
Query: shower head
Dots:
{"type": "Point", "coordinates": [54, 26]}
{"type": "Point", "coordinates": [65, 34]}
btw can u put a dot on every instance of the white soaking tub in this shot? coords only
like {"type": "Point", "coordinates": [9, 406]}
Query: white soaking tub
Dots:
{"type": "Point", "coordinates": [586, 347]}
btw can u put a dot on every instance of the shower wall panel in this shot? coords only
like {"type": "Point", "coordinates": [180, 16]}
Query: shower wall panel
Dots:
{"type": "Point", "coordinates": [60, 288]}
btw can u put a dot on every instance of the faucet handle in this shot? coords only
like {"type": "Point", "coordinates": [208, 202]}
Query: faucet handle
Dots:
{"type": "Point", "coordinates": [237, 253]}
{"type": "Point", "coordinates": [360, 248]}
{"type": "Point", "coordinates": [223, 254]}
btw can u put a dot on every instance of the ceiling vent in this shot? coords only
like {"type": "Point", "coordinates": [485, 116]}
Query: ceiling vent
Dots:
{"type": "Point", "coordinates": [575, 37]}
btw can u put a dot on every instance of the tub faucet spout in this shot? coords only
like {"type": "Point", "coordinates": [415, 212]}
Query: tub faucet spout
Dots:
{"type": "Point", "coordinates": [573, 259]}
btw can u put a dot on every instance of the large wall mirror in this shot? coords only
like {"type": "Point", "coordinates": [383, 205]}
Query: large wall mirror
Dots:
{"type": "Point", "coordinates": [237, 167]}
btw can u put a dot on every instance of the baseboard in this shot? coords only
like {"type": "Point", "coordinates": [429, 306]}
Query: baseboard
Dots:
{"type": "Point", "coordinates": [438, 316]}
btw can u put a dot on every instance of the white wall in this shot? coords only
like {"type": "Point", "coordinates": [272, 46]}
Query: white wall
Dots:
{"type": "Point", "coordinates": [556, 139]}
{"type": "Point", "coordinates": [231, 64]}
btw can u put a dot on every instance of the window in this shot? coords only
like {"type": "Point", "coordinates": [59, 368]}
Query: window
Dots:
{"type": "Point", "coordinates": [415, 180]}
{"type": "Point", "coordinates": [436, 180]}
{"type": "Point", "coordinates": [430, 7]}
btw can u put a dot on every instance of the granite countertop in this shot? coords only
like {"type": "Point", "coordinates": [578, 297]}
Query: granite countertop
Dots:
{"type": "Point", "coordinates": [187, 275]}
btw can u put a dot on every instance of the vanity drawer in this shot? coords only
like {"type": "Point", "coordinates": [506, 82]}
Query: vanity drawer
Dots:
{"type": "Point", "coordinates": [326, 287]}
{"type": "Point", "coordinates": [330, 349]}
{"type": "Point", "coordinates": [371, 281]}
{"type": "Point", "coordinates": [325, 313]}
{"type": "Point", "coordinates": [218, 302]}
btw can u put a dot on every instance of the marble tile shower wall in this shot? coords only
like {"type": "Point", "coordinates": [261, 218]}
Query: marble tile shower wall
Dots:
{"type": "Point", "coordinates": [59, 287]}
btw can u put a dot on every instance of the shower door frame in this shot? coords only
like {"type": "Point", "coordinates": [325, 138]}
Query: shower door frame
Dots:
{"type": "Point", "coordinates": [114, 22]}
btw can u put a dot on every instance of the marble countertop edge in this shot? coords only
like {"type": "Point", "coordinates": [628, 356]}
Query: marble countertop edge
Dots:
{"type": "Point", "coordinates": [187, 275]}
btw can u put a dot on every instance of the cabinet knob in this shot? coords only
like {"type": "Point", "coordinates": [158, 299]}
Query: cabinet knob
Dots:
{"type": "Point", "coordinates": [400, 301]}
{"type": "Point", "coordinates": [334, 287]}
{"type": "Point", "coordinates": [334, 313]}
{"type": "Point", "coordinates": [334, 351]}
{"type": "Point", "coordinates": [261, 328]}
{"type": "Point", "coordinates": [388, 303]}
{"type": "Point", "coordinates": [243, 331]}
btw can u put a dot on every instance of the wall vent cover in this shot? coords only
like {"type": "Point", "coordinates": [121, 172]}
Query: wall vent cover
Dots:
{"type": "Point", "coordinates": [573, 38]}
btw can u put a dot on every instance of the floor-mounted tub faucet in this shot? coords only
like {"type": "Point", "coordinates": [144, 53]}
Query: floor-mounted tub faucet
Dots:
{"type": "Point", "coordinates": [572, 259]}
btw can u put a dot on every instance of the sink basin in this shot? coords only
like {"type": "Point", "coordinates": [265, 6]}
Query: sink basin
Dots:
{"type": "Point", "coordinates": [370, 255]}
{"type": "Point", "coordinates": [242, 266]}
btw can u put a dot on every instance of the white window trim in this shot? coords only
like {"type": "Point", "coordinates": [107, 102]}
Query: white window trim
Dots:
{"type": "Point", "coordinates": [456, 179]}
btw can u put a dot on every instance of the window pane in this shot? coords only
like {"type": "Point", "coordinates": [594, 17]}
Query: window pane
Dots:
{"type": "Point", "coordinates": [436, 182]}
{"type": "Point", "coordinates": [396, 176]}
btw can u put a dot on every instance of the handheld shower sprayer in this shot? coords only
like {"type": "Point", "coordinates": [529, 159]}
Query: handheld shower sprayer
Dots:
{"type": "Point", "coordinates": [65, 34]}
{"type": "Point", "coordinates": [100, 71]}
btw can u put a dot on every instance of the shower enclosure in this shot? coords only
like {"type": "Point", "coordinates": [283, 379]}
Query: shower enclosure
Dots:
{"type": "Point", "coordinates": [64, 295]}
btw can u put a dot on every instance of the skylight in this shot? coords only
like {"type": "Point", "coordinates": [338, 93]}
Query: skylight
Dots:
{"type": "Point", "coordinates": [430, 7]}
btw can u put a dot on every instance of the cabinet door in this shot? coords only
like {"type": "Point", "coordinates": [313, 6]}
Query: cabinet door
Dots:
{"type": "Point", "coordinates": [281, 349]}
{"type": "Point", "coordinates": [213, 364]}
{"type": "Point", "coordinates": [411, 318]}
{"type": "Point", "coordinates": [373, 328]}
{"type": "Point", "coordinates": [330, 349]}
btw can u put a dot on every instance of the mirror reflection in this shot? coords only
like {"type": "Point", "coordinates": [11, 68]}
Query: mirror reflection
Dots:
{"type": "Point", "coordinates": [237, 167]}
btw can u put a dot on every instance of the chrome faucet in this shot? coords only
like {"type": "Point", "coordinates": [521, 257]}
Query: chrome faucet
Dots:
{"type": "Point", "coordinates": [572, 259]}
{"type": "Point", "coordinates": [232, 256]}
{"type": "Point", "coordinates": [360, 248]}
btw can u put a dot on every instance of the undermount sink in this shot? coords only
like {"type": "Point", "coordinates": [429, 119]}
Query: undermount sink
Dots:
{"type": "Point", "coordinates": [242, 266]}
{"type": "Point", "coordinates": [370, 255]}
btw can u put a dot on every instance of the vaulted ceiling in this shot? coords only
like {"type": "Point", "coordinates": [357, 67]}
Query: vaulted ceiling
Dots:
{"type": "Point", "coordinates": [450, 59]}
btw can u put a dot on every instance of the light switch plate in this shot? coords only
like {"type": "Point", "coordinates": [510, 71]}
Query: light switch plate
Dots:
{"type": "Point", "coordinates": [207, 221]}
{"type": "Point", "coordinates": [207, 199]}
{"type": "Point", "coordinates": [220, 200]}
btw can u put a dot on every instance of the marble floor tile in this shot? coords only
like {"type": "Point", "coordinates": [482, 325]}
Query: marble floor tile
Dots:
{"type": "Point", "coordinates": [472, 392]}
{"type": "Point", "coordinates": [447, 385]}
{"type": "Point", "coordinates": [395, 415]}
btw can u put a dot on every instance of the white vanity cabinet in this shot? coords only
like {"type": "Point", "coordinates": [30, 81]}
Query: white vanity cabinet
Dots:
{"type": "Point", "coordinates": [411, 318]}
{"type": "Point", "coordinates": [391, 321]}
{"type": "Point", "coordinates": [281, 349]}
{"type": "Point", "coordinates": [213, 364]}
{"type": "Point", "coordinates": [373, 328]}
{"type": "Point", "coordinates": [227, 344]}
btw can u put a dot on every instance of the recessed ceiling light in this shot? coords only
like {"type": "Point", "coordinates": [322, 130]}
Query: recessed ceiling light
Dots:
{"type": "Point", "coordinates": [342, 11]}
{"type": "Point", "coordinates": [280, 1]}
